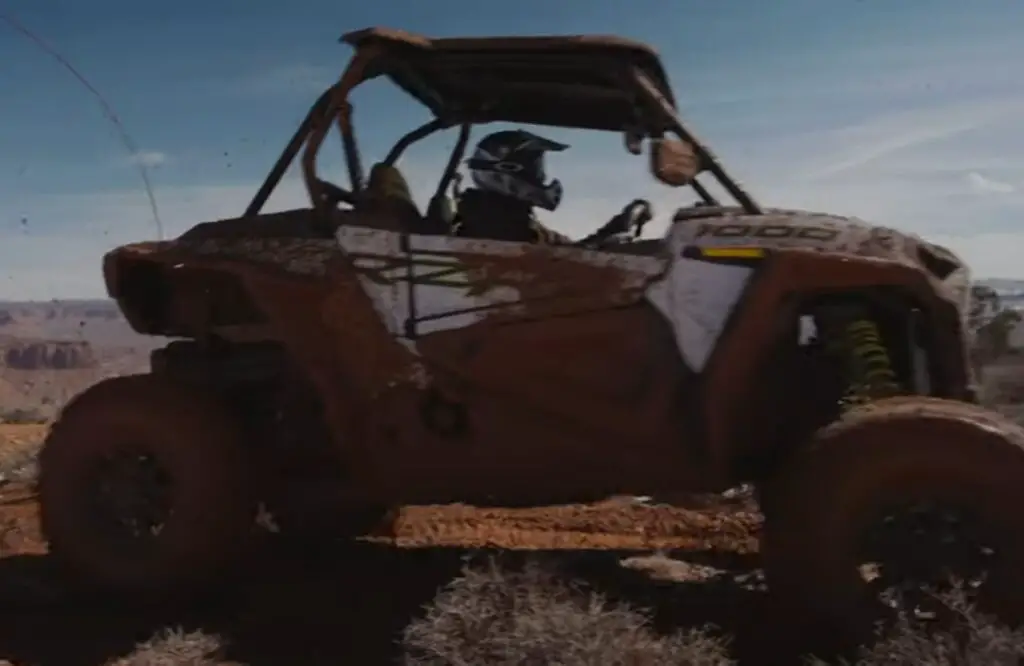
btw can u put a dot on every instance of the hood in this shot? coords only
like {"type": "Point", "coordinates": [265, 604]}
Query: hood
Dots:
{"type": "Point", "coordinates": [779, 228]}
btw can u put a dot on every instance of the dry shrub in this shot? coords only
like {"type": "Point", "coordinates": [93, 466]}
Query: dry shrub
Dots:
{"type": "Point", "coordinates": [970, 638]}
{"type": "Point", "coordinates": [18, 467]}
{"type": "Point", "coordinates": [175, 647]}
{"type": "Point", "coordinates": [506, 618]}
{"type": "Point", "coordinates": [22, 416]}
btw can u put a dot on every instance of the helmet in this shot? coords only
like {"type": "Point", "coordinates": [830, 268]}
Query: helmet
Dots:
{"type": "Point", "coordinates": [512, 163]}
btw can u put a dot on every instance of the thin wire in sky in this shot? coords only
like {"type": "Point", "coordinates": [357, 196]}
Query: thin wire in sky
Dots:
{"type": "Point", "coordinates": [108, 111]}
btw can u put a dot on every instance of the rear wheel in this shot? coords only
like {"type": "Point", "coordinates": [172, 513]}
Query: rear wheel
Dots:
{"type": "Point", "coordinates": [902, 494]}
{"type": "Point", "coordinates": [145, 488]}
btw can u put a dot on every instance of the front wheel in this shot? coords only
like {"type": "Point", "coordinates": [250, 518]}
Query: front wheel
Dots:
{"type": "Point", "coordinates": [898, 495]}
{"type": "Point", "coordinates": [144, 488]}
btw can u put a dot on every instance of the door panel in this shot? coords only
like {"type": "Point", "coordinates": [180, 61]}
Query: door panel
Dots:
{"type": "Point", "coordinates": [432, 283]}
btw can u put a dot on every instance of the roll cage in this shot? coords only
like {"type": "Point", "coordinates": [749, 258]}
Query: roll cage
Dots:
{"type": "Point", "coordinates": [585, 82]}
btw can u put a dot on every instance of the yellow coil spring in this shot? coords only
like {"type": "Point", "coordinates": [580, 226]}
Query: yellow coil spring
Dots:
{"type": "Point", "coordinates": [870, 366]}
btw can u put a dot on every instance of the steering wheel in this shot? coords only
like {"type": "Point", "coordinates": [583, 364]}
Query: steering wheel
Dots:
{"type": "Point", "coordinates": [630, 221]}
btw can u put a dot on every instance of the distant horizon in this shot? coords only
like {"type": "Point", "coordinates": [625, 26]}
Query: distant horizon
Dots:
{"type": "Point", "coordinates": [1018, 283]}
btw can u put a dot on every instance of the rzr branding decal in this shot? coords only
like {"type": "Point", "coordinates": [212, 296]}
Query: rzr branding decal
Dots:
{"type": "Point", "coordinates": [387, 270]}
{"type": "Point", "coordinates": [434, 270]}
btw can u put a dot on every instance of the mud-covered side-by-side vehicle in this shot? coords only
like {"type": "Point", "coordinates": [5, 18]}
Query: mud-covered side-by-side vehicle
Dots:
{"type": "Point", "coordinates": [354, 355]}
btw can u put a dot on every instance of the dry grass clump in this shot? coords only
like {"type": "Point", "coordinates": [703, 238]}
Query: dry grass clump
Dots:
{"type": "Point", "coordinates": [966, 638]}
{"type": "Point", "coordinates": [18, 467]}
{"type": "Point", "coordinates": [175, 647]}
{"type": "Point", "coordinates": [507, 618]}
{"type": "Point", "coordinates": [22, 416]}
{"type": "Point", "coordinates": [512, 618]}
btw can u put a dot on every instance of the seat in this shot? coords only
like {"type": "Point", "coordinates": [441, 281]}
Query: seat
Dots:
{"type": "Point", "coordinates": [387, 194]}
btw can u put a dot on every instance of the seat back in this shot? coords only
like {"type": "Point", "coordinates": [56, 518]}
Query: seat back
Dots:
{"type": "Point", "coordinates": [387, 192]}
{"type": "Point", "coordinates": [387, 195]}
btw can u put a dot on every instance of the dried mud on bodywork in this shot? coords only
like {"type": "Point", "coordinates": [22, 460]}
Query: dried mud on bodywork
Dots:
{"type": "Point", "coordinates": [552, 285]}
{"type": "Point", "coordinates": [322, 309]}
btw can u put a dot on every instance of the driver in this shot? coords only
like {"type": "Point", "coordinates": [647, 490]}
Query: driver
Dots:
{"type": "Point", "coordinates": [507, 169]}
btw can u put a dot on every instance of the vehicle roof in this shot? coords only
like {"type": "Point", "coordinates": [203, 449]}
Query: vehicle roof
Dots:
{"type": "Point", "coordinates": [568, 81]}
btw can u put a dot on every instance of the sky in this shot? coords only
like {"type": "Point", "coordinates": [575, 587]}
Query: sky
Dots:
{"type": "Point", "coordinates": [906, 113]}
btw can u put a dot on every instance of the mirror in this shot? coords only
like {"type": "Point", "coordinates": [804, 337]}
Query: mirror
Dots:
{"type": "Point", "coordinates": [673, 162]}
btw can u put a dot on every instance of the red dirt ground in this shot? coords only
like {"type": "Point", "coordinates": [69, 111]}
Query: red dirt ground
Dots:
{"type": "Point", "coordinates": [347, 604]}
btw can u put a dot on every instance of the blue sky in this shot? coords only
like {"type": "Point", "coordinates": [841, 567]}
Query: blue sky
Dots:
{"type": "Point", "coordinates": [905, 112]}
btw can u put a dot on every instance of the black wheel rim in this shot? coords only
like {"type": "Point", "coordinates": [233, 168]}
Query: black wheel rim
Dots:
{"type": "Point", "coordinates": [925, 561]}
{"type": "Point", "coordinates": [131, 496]}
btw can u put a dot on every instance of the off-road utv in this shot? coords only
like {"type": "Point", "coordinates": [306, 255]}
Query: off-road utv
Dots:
{"type": "Point", "coordinates": [357, 354]}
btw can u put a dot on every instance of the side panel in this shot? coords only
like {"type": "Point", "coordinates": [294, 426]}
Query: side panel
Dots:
{"type": "Point", "coordinates": [567, 379]}
{"type": "Point", "coordinates": [439, 283]}
{"type": "Point", "coordinates": [554, 409]}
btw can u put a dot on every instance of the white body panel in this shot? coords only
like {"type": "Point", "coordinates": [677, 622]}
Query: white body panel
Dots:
{"type": "Point", "coordinates": [696, 297]}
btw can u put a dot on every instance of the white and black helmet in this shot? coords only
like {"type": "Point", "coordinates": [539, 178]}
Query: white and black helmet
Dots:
{"type": "Point", "coordinates": [512, 163]}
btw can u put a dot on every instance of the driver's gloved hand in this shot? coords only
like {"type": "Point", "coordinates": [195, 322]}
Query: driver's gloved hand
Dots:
{"type": "Point", "coordinates": [637, 213]}
{"type": "Point", "coordinates": [624, 226]}
{"type": "Point", "coordinates": [617, 226]}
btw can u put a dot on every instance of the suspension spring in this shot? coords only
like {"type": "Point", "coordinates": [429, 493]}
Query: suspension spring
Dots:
{"type": "Point", "coordinates": [869, 366]}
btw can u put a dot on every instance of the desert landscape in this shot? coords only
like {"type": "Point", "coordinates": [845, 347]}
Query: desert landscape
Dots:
{"type": "Point", "coordinates": [49, 351]}
{"type": "Point", "coordinates": [624, 581]}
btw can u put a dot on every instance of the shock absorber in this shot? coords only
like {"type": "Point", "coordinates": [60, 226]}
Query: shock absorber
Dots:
{"type": "Point", "coordinates": [857, 339]}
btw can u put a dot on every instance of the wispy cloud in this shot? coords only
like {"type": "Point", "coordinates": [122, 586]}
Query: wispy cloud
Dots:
{"type": "Point", "coordinates": [148, 158]}
{"type": "Point", "coordinates": [865, 144]}
{"type": "Point", "coordinates": [983, 185]}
